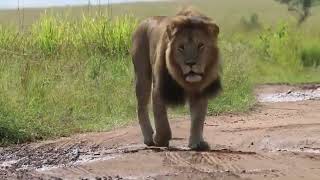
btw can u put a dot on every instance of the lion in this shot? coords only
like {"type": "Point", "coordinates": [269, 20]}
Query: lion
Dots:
{"type": "Point", "coordinates": [176, 60]}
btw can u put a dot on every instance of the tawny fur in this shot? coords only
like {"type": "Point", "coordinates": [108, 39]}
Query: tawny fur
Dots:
{"type": "Point", "coordinates": [158, 74]}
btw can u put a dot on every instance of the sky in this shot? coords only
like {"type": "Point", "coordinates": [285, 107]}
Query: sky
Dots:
{"type": "Point", "coordinates": [13, 4]}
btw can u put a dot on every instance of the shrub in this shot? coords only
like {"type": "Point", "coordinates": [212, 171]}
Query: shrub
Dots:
{"type": "Point", "coordinates": [251, 23]}
{"type": "Point", "coordinates": [281, 46]}
{"type": "Point", "coordinates": [310, 55]}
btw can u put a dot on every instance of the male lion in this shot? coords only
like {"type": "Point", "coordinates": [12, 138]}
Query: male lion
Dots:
{"type": "Point", "coordinates": [179, 58]}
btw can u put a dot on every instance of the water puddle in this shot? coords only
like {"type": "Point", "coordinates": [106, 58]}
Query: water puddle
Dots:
{"type": "Point", "coordinates": [302, 150]}
{"type": "Point", "coordinates": [83, 160]}
{"type": "Point", "coordinates": [290, 96]}
{"type": "Point", "coordinates": [91, 157]}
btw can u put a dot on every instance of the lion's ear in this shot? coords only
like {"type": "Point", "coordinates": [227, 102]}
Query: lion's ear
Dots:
{"type": "Point", "coordinates": [214, 29]}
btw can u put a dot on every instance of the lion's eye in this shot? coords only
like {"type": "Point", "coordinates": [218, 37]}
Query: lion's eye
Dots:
{"type": "Point", "coordinates": [181, 48]}
{"type": "Point", "coordinates": [200, 46]}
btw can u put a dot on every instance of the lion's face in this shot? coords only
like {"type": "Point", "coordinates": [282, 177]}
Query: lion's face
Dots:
{"type": "Point", "coordinates": [193, 50]}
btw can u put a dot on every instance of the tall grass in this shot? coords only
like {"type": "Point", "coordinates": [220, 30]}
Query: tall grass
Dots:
{"type": "Point", "coordinates": [237, 84]}
{"type": "Point", "coordinates": [61, 77]}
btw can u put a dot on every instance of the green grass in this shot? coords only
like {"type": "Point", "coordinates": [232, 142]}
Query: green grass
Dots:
{"type": "Point", "coordinates": [237, 93]}
{"type": "Point", "coordinates": [310, 54]}
{"type": "Point", "coordinates": [63, 74]}
{"type": "Point", "coordinates": [59, 78]}
{"type": "Point", "coordinates": [281, 54]}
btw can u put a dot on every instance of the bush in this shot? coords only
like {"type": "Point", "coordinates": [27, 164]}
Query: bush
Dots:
{"type": "Point", "coordinates": [310, 55]}
{"type": "Point", "coordinates": [251, 23]}
{"type": "Point", "coordinates": [280, 53]}
{"type": "Point", "coordinates": [281, 46]}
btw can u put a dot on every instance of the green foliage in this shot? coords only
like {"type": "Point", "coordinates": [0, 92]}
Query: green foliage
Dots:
{"type": "Point", "coordinates": [52, 35]}
{"type": "Point", "coordinates": [7, 37]}
{"type": "Point", "coordinates": [310, 54]}
{"type": "Point", "coordinates": [49, 34]}
{"type": "Point", "coordinates": [111, 37]}
{"type": "Point", "coordinates": [281, 54]}
{"type": "Point", "coordinates": [280, 46]}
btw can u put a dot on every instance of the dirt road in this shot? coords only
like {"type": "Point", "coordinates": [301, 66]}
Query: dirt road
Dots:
{"type": "Point", "coordinates": [274, 141]}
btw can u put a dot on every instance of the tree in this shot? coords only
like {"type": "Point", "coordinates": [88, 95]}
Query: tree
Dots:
{"type": "Point", "coordinates": [300, 7]}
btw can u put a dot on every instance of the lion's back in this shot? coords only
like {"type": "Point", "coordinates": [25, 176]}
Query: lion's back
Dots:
{"type": "Point", "coordinates": [146, 37]}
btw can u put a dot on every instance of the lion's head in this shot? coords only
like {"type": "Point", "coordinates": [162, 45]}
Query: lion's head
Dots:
{"type": "Point", "coordinates": [192, 54]}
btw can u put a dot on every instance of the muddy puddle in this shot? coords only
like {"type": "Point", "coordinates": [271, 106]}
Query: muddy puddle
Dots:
{"type": "Point", "coordinates": [291, 95]}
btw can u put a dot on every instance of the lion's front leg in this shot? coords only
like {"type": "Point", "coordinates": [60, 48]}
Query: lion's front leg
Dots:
{"type": "Point", "coordinates": [198, 110]}
{"type": "Point", "coordinates": [162, 126]}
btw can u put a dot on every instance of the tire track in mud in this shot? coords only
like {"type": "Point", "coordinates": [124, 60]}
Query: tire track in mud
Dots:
{"type": "Point", "coordinates": [199, 162]}
{"type": "Point", "coordinates": [274, 128]}
{"type": "Point", "coordinates": [215, 162]}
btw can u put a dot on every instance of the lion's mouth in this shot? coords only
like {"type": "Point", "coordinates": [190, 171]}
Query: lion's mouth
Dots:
{"type": "Point", "coordinates": [193, 77]}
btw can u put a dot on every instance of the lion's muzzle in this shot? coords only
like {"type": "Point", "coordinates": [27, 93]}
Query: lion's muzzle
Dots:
{"type": "Point", "coordinates": [193, 77]}
{"type": "Point", "coordinates": [193, 74]}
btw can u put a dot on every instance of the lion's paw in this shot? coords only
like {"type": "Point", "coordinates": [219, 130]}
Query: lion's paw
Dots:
{"type": "Point", "coordinates": [149, 142]}
{"type": "Point", "coordinates": [200, 146]}
{"type": "Point", "coordinates": [161, 141]}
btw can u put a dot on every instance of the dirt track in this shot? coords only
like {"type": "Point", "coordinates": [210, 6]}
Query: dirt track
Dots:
{"type": "Point", "coordinates": [275, 141]}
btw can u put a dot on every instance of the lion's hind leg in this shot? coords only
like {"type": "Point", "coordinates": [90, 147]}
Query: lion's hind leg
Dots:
{"type": "Point", "coordinates": [143, 88]}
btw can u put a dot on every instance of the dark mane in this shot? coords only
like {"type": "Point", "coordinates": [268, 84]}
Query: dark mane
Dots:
{"type": "Point", "coordinates": [213, 89]}
{"type": "Point", "coordinates": [173, 94]}
{"type": "Point", "coordinates": [170, 91]}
